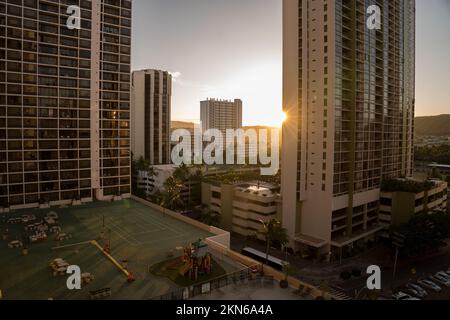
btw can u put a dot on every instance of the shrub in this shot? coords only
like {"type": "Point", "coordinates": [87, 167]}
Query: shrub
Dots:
{"type": "Point", "coordinates": [345, 275]}
{"type": "Point", "coordinates": [356, 273]}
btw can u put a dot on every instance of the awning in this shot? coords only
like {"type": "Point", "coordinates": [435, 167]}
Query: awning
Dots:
{"type": "Point", "coordinates": [310, 241]}
{"type": "Point", "coordinates": [343, 242]}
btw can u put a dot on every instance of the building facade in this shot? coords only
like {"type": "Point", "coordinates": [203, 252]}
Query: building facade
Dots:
{"type": "Point", "coordinates": [221, 114]}
{"type": "Point", "coordinates": [151, 112]}
{"type": "Point", "coordinates": [409, 198]}
{"type": "Point", "coordinates": [242, 206]}
{"type": "Point", "coordinates": [64, 102]}
{"type": "Point", "coordinates": [348, 92]}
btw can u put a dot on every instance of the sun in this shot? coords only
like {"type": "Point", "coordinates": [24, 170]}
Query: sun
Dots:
{"type": "Point", "coordinates": [282, 117]}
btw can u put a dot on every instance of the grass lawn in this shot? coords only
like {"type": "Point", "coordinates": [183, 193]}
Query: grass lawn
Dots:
{"type": "Point", "coordinates": [162, 269]}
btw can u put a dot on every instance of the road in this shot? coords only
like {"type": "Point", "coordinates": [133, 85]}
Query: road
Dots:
{"type": "Point", "coordinates": [318, 273]}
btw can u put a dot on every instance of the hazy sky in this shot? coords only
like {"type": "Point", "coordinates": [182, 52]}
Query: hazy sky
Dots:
{"type": "Point", "coordinates": [232, 49]}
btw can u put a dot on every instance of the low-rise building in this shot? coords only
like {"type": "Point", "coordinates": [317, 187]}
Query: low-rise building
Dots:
{"type": "Point", "coordinates": [243, 206]}
{"type": "Point", "coordinates": [153, 183]}
{"type": "Point", "coordinates": [401, 199]}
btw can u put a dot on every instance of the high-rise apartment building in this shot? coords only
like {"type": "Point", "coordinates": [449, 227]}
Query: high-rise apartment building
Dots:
{"type": "Point", "coordinates": [349, 98]}
{"type": "Point", "coordinates": [221, 114]}
{"type": "Point", "coordinates": [151, 93]}
{"type": "Point", "coordinates": [64, 102]}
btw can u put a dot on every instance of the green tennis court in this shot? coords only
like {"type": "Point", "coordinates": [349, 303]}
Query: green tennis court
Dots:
{"type": "Point", "coordinates": [139, 234]}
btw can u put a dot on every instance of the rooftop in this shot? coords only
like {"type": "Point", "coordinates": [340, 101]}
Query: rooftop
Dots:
{"type": "Point", "coordinates": [257, 188]}
{"type": "Point", "coordinates": [139, 234]}
{"type": "Point", "coordinates": [408, 185]}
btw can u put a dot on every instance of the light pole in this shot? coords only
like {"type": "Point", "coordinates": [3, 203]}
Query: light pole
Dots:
{"type": "Point", "coordinates": [398, 240]}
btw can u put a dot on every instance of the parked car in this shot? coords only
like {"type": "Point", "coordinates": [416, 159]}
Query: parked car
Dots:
{"type": "Point", "coordinates": [421, 291]}
{"type": "Point", "coordinates": [413, 293]}
{"type": "Point", "coordinates": [440, 280]}
{"type": "Point", "coordinates": [403, 296]}
{"type": "Point", "coordinates": [430, 285]}
{"type": "Point", "coordinates": [443, 274]}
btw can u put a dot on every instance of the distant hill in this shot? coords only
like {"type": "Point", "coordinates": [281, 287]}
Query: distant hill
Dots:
{"type": "Point", "coordinates": [258, 127]}
{"type": "Point", "coordinates": [182, 125]}
{"type": "Point", "coordinates": [190, 125]}
{"type": "Point", "coordinates": [433, 126]}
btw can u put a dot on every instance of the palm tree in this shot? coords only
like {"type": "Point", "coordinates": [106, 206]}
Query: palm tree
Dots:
{"type": "Point", "coordinates": [273, 232]}
{"type": "Point", "coordinates": [141, 165]}
{"type": "Point", "coordinates": [172, 196]}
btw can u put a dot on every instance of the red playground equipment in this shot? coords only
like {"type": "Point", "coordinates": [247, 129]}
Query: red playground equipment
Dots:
{"type": "Point", "coordinates": [196, 260]}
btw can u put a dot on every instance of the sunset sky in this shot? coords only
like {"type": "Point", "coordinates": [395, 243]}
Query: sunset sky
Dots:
{"type": "Point", "coordinates": [232, 49]}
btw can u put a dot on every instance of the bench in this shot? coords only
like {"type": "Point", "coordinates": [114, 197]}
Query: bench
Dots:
{"type": "Point", "coordinates": [99, 294]}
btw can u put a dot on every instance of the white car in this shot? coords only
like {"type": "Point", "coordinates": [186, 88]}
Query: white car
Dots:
{"type": "Point", "coordinates": [430, 285]}
{"type": "Point", "coordinates": [421, 291]}
{"type": "Point", "coordinates": [403, 296]}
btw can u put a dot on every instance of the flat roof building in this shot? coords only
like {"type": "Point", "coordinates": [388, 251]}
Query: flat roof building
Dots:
{"type": "Point", "coordinates": [64, 102]}
{"type": "Point", "coordinates": [151, 94]}
{"type": "Point", "coordinates": [242, 206]}
{"type": "Point", "coordinates": [349, 95]}
{"type": "Point", "coordinates": [221, 114]}
{"type": "Point", "coordinates": [402, 199]}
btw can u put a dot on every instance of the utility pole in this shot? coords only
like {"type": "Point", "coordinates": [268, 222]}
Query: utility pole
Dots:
{"type": "Point", "coordinates": [398, 240]}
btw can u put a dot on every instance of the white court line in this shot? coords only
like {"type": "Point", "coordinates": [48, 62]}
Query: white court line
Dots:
{"type": "Point", "coordinates": [147, 232]}
{"type": "Point", "coordinates": [124, 232]}
{"type": "Point", "coordinates": [166, 239]}
{"type": "Point", "coordinates": [119, 234]}
{"type": "Point", "coordinates": [160, 222]}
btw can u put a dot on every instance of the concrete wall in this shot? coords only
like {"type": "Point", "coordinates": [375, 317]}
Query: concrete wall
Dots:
{"type": "Point", "coordinates": [268, 271]}
{"type": "Point", "coordinates": [227, 197]}
{"type": "Point", "coordinates": [221, 243]}
{"type": "Point", "coordinates": [403, 207]}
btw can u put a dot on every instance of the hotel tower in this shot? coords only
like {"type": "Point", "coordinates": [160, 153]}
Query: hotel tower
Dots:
{"type": "Point", "coordinates": [151, 99]}
{"type": "Point", "coordinates": [64, 102]}
{"type": "Point", "coordinates": [348, 93]}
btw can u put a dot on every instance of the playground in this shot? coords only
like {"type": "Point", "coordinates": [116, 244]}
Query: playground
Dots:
{"type": "Point", "coordinates": [194, 266]}
{"type": "Point", "coordinates": [114, 244]}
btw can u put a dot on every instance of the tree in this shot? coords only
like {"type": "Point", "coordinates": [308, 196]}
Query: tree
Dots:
{"type": "Point", "coordinates": [140, 165]}
{"type": "Point", "coordinates": [171, 197]}
{"type": "Point", "coordinates": [273, 232]}
{"type": "Point", "coordinates": [424, 232]}
{"type": "Point", "coordinates": [209, 217]}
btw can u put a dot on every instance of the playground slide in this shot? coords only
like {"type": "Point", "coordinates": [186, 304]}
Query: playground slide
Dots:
{"type": "Point", "coordinates": [184, 269]}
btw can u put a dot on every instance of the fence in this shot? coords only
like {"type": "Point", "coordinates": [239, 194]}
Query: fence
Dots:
{"type": "Point", "coordinates": [238, 277]}
{"type": "Point", "coordinates": [220, 243]}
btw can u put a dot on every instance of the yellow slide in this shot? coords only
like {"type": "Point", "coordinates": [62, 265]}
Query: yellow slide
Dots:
{"type": "Point", "coordinates": [95, 243]}
{"type": "Point", "coordinates": [184, 269]}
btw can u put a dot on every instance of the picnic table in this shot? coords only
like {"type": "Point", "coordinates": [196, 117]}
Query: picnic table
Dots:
{"type": "Point", "coordinates": [28, 218]}
{"type": "Point", "coordinates": [38, 237]}
{"type": "Point", "coordinates": [59, 267]}
{"type": "Point", "coordinates": [14, 220]}
{"type": "Point", "coordinates": [60, 271]}
{"type": "Point", "coordinates": [15, 244]}
{"type": "Point", "coordinates": [55, 229]}
{"type": "Point", "coordinates": [50, 221]}
{"type": "Point", "coordinates": [63, 236]}
{"type": "Point", "coordinates": [102, 293]}
{"type": "Point", "coordinates": [87, 278]}
{"type": "Point", "coordinates": [52, 215]}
